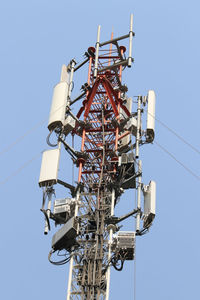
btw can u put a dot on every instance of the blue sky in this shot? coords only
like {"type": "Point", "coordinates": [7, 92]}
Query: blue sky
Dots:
{"type": "Point", "coordinates": [37, 37]}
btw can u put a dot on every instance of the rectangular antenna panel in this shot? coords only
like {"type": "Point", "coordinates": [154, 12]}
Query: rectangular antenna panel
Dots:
{"type": "Point", "coordinates": [64, 201]}
{"type": "Point", "coordinates": [132, 126]}
{"type": "Point", "coordinates": [119, 160]}
{"type": "Point", "coordinates": [69, 124]}
{"type": "Point", "coordinates": [49, 167]}
{"type": "Point", "coordinates": [149, 192]}
{"type": "Point", "coordinates": [58, 106]}
{"type": "Point", "coordinates": [131, 158]}
{"type": "Point", "coordinates": [151, 99]}
{"type": "Point", "coordinates": [124, 158]}
{"type": "Point", "coordinates": [125, 140]}
{"type": "Point", "coordinates": [128, 103]}
{"type": "Point", "coordinates": [61, 209]}
{"type": "Point", "coordinates": [64, 238]}
{"type": "Point", "coordinates": [124, 244]}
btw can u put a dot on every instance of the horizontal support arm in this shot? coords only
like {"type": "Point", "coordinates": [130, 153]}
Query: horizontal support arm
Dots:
{"type": "Point", "coordinates": [114, 40]}
{"type": "Point", "coordinates": [116, 220]}
{"type": "Point", "coordinates": [81, 64]}
{"type": "Point", "coordinates": [121, 63]}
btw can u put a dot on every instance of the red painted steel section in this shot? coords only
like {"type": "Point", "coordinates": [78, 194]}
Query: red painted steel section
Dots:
{"type": "Point", "coordinates": [102, 100]}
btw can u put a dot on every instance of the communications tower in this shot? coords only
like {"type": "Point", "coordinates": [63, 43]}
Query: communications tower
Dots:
{"type": "Point", "coordinates": [108, 163]}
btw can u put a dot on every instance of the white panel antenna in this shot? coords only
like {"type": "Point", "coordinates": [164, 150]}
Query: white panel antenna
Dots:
{"type": "Point", "coordinates": [59, 101]}
{"type": "Point", "coordinates": [151, 99]}
{"type": "Point", "coordinates": [64, 74]}
{"type": "Point", "coordinates": [149, 192]}
{"type": "Point", "coordinates": [49, 167]}
{"type": "Point", "coordinates": [132, 126]}
{"type": "Point", "coordinates": [123, 142]}
{"type": "Point", "coordinates": [128, 103]}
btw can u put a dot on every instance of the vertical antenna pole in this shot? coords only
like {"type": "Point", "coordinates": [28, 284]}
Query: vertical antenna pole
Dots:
{"type": "Point", "coordinates": [130, 41]}
{"type": "Point", "coordinates": [83, 136]}
{"type": "Point", "coordinates": [72, 161]}
{"type": "Point", "coordinates": [139, 195]}
{"type": "Point", "coordinates": [110, 49]}
{"type": "Point", "coordinates": [138, 127]}
{"type": "Point", "coordinates": [118, 106]}
{"type": "Point", "coordinates": [72, 257]}
{"type": "Point", "coordinates": [97, 52]}
{"type": "Point", "coordinates": [110, 244]}
{"type": "Point", "coordinates": [73, 63]}
{"type": "Point", "coordinates": [70, 277]}
{"type": "Point", "coordinates": [49, 194]}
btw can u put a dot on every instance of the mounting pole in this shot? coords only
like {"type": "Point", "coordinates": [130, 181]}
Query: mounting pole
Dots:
{"type": "Point", "coordinates": [49, 194]}
{"type": "Point", "coordinates": [138, 127]}
{"type": "Point", "coordinates": [130, 41]}
{"type": "Point", "coordinates": [97, 52]}
{"type": "Point", "coordinates": [72, 257]}
{"type": "Point", "coordinates": [70, 277]}
{"type": "Point", "coordinates": [139, 196]}
{"type": "Point", "coordinates": [110, 245]}
{"type": "Point", "coordinates": [73, 63]}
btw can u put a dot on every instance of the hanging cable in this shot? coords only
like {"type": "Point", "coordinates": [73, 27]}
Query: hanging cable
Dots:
{"type": "Point", "coordinates": [134, 282]}
{"type": "Point", "coordinates": [178, 161]}
{"type": "Point", "coordinates": [28, 132]}
{"type": "Point", "coordinates": [72, 161]}
{"type": "Point", "coordinates": [48, 140]}
{"type": "Point", "coordinates": [175, 133]}
{"type": "Point", "coordinates": [20, 138]}
{"type": "Point", "coordinates": [15, 173]}
{"type": "Point", "coordinates": [45, 212]}
{"type": "Point", "coordinates": [44, 194]}
{"type": "Point", "coordinates": [58, 263]}
{"type": "Point", "coordinates": [115, 263]}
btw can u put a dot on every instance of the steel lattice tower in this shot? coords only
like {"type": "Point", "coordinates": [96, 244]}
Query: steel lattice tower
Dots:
{"type": "Point", "coordinates": [106, 167]}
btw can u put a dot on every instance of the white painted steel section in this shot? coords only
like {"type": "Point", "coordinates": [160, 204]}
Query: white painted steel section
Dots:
{"type": "Point", "coordinates": [110, 245]}
{"type": "Point", "coordinates": [49, 167]}
{"type": "Point", "coordinates": [138, 127]}
{"type": "Point", "coordinates": [69, 288]}
{"type": "Point", "coordinates": [58, 106]}
{"type": "Point", "coordinates": [150, 198]}
{"type": "Point", "coordinates": [70, 278]}
{"type": "Point", "coordinates": [130, 41]}
{"type": "Point", "coordinates": [46, 228]}
{"type": "Point", "coordinates": [139, 195]}
{"type": "Point", "coordinates": [151, 99]}
{"type": "Point", "coordinates": [73, 63]}
{"type": "Point", "coordinates": [97, 52]}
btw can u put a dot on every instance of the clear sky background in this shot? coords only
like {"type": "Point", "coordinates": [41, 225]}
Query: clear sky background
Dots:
{"type": "Point", "coordinates": [37, 37]}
